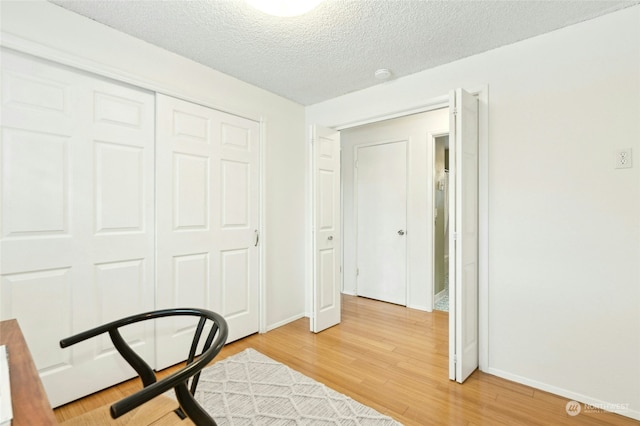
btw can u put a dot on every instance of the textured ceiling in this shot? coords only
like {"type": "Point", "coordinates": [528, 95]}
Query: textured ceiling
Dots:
{"type": "Point", "coordinates": [336, 48]}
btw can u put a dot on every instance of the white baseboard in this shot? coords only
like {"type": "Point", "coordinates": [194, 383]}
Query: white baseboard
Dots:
{"type": "Point", "coordinates": [591, 402]}
{"type": "Point", "coordinates": [284, 322]}
{"type": "Point", "coordinates": [440, 295]}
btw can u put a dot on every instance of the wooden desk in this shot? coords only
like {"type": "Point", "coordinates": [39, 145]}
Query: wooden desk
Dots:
{"type": "Point", "coordinates": [30, 403]}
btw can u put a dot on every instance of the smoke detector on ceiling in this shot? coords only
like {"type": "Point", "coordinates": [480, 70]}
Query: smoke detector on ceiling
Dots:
{"type": "Point", "coordinates": [383, 74]}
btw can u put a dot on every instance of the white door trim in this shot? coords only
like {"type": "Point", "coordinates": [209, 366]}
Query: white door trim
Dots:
{"type": "Point", "coordinates": [262, 232]}
{"type": "Point", "coordinates": [429, 105]}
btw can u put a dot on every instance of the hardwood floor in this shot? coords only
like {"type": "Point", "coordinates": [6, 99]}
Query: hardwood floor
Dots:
{"type": "Point", "coordinates": [395, 360]}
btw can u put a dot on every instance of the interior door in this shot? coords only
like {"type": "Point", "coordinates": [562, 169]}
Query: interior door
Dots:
{"type": "Point", "coordinates": [463, 245]}
{"type": "Point", "coordinates": [381, 203]}
{"type": "Point", "coordinates": [327, 236]}
{"type": "Point", "coordinates": [208, 212]}
{"type": "Point", "coordinates": [77, 219]}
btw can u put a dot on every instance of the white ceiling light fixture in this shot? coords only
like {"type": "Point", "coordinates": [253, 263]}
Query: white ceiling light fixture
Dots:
{"type": "Point", "coordinates": [284, 8]}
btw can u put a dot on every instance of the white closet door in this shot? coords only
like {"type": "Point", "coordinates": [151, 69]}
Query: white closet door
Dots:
{"type": "Point", "coordinates": [77, 218]}
{"type": "Point", "coordinates": [207, 192]}
{"type": "Point", "coordinates": [237, 224]}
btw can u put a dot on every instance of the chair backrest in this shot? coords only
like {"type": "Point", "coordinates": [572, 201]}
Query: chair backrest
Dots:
{"type": "Point", "coordinates": [215, 340]}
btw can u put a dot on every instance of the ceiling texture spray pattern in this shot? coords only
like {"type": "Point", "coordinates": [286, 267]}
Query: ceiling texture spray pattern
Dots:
{"type": "Point", "coordinates": [336, 48]}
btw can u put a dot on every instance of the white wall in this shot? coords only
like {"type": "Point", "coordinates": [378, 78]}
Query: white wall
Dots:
{"type": "Point", "coordinates": [49, 31]}
{"type": "Point", "coordinates": [564, 225]}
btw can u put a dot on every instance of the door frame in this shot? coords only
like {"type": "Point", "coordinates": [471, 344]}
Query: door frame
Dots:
{"type": "Point", "coordinates": [482, 93]}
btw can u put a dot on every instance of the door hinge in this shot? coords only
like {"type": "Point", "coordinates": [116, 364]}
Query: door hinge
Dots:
{"type": "Point", "coordinates": [455, 236]}
{"type": "Point", "coordinates": [355, 164]}
{"type": "Point", "coordinates": [357, 271]}
{"type": "Point", "coordinates": [455, 359]}
{"type": "Point", "coordinates": [455, 111]}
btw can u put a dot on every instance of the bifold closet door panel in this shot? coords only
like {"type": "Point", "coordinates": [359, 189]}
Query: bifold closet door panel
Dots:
{"type": "Point", "coordinates": [207, 220]}
{"type": "Point", "coordinates": [77, 223]}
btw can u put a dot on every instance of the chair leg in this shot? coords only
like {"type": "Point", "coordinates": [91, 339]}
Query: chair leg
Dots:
{"type": "Point", "coordinates": [191, 408]}
{"type": "Point", "coordinates": [180, 413]}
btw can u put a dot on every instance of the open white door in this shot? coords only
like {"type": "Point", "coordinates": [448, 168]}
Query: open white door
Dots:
{"type": "Point", "coordinates": [327, 238]}
{"type": "Point", "coordinates": [463, 243]}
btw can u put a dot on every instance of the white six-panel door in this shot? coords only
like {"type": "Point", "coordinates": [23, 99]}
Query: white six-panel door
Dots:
{"type": "Point", "coordinates": [207, 221]}
{"type": "Point", "coordinates": [77, 218]}
{"type": "Point", "coordinates": [327, 238]}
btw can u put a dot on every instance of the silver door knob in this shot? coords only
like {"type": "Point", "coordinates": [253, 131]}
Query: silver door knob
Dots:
{"type": "Point", "coordinates": [401, 232]}
{"type": "Point", "coordinates": [330, 238]}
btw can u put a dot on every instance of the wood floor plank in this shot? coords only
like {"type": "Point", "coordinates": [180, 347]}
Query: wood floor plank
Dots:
{"type": "Point", "coordinates": [395, 360]}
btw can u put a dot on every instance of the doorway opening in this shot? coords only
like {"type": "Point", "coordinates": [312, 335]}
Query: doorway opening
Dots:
{"type": "Point", "coordinates": [388, 209]}
{"type": "Point", "coordinates": [467, 222]}
{"type": "Point", "coordinates": [441, 224]}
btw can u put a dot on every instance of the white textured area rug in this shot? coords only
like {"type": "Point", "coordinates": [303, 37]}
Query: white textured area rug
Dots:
{"type": "Point", "coordinates": [250, 388]}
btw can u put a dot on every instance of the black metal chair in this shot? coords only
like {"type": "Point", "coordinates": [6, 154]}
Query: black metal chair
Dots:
{"type": "Point", "coordinates": [189, 407]}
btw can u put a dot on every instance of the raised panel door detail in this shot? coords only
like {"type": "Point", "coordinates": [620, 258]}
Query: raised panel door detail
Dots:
{"type": "Point", "coordinates": [326, 149]}
{"type": "Point", "coordinates": [41, 301]}
{"type": "Point", "coordinates": [327, 207]}
{"type": "Point", "coordinates": [115, 110]}
{"type": "Point", "coordinates": [191, 192]}
{"type": "Point", "coordinates": [191, 126]}
{"type": "Point", "coordinates": [119, 188]}
{"type": "Point", "coordinates": [235, 193]}
{"type": "Point", "coordinates": [190, 286]}
{"type": "Point", "coordinates": [235, 282]}
{"type": "Point", "coordinates": [469, 304]}
{"type": "Point", "coordinates": [470, 197]}
{"type": "Point", "coordinates": [35, 183]}
{"type": "Point", "coordinates": [34, 93]}
{"type": "Point", "coordinates": [235, 136]}
{"type": "Point", "coordinates": [327, 276]}
{"type": "Point", "coordinates": [191, 275]}
{"type": "Point", "coordinates": [119, 293]}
